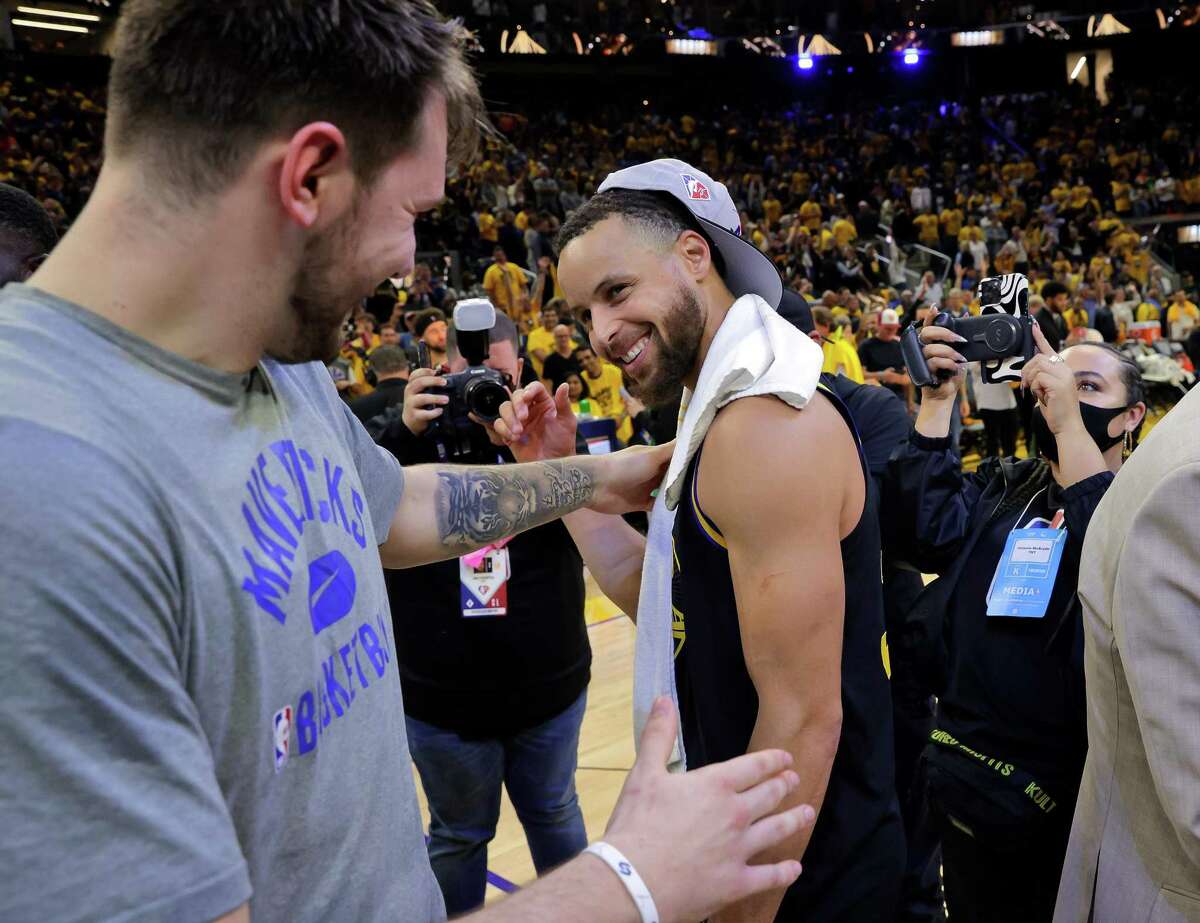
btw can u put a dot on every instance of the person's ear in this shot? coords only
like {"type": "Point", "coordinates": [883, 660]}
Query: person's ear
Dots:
{"type": "Point", "coordinates": [1134, 416]}
{"type": "Point", "coordinates": [316, 182]}
{"type": "Point", "coordinates": [696, 254]}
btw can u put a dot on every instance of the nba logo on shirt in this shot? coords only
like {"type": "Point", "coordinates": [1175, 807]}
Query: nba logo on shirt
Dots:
{"type": "Point", "coordinates": [283, 736]}
{"type": "Point", "coordinates": [695, 188]}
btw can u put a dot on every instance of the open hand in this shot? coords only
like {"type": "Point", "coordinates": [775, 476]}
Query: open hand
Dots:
{"type": "Point", "coordinates": [537, 426]}
{"type": "Point", "coordinates": [692, 836]}
{"type": "Point", "coordinates": [420, 406]}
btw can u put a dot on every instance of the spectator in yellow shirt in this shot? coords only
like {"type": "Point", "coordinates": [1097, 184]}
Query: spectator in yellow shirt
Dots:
{"type": "Point", "coordinates": [844, 231]}
{"type": "Point", "coordinates": [952, 222]}
{"type": "Point", "coordinates": [927, 229]}
{"type": "Point", "coordinates": [505, 284]}
{"type": "Point", "coordinates": [1182, 316]}
{"type": "Point", "coordinates": [971, 232]}
{"type": "Point", "coordinates": [1147, 311]}
{"type": "Point", "coordinates": [577, 393]}
{"type": "Point", "coordinates": [488, 228]}
{"type": "Point", "coordinates": [1100, 267]}
{"type": "Point", "coordinates": [540, 342]}
{"type": "Point", "coordinates": [603, 381]}
{"type": "Point", "coordinates": [772, 210]}
{"type": "Point", "coordinates": [1075, 316]}
{"type": "Point", "coordinates": [841, 358]}
{"type": "Point", "coordinates": [1137, 265]}
{"type": "Point", "coordinates": [810, 215]}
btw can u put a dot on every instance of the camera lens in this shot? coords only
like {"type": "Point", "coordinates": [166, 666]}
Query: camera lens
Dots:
{"type": "Point", "coordinates": [1001, 335]}
{"type": "Point", "coordinates": [484, 397]}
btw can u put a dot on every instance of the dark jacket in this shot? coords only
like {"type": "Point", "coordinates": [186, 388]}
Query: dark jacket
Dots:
{"type": "Point", "coordinates": [936, 515]}
{"type": "Point", "coordinates": [1052, 326]}
{"type": "Point", "coordinates": [953, 524]}
{"type": "Point", "coordinates": [389, 393]}
{"type": "Point", "coordinates": [489, 677]}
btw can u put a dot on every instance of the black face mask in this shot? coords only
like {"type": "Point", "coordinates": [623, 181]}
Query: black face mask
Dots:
{"type": "Point", "coordinates": [1095, 421]}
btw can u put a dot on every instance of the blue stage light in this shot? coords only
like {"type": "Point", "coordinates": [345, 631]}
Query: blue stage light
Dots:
{"type": "Point", "coordinates": [912, 57]}
{"type": "Point", "coordinates": [804, 62]}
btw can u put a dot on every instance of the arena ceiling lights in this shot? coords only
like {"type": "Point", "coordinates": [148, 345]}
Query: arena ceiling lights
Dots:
{"type": "Point", "coordinates": [977, 38]}
{"type": "Point", "coordinates": [694, 46]}
{"type": "Point", "coordinates": [50, 23]}
{"type": "Point", "coordinates": [58, 14]}
{"type": "Point", "coordinates": [1189, 234]}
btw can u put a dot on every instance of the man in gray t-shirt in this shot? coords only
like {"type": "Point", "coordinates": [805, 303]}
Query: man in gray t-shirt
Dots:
{"type": "Point", "coordinates": [194, 566]}
{"type": "Point", "coordinates": [200, 709]}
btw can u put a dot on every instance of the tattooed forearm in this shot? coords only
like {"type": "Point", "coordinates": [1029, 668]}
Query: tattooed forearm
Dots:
{"type": "Point", "coordinates": [477, 506]}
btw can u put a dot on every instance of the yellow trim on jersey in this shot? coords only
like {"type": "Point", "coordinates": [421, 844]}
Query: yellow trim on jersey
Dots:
{"type": "Point", "coordinates": [709, 529]}
{"type": "Point", "coordinates": [678, 629]}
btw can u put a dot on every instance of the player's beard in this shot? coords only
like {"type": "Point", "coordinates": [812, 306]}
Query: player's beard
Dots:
{"type": "Point", "coordinates": [676, 341]}
{"type": "Point", "coordinates": [324, 293]}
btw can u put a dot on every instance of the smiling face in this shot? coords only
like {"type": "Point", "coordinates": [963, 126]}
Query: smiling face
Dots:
{"type": "Point", "coordinates": [587, 358]}
{"type": "Point", "coordinates": [372, 241]}
{"type": "Point", "coordinates": [647, 316]}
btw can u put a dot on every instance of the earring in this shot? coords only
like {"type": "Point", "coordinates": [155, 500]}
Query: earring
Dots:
{"type": "Point", "coordinates": [1127, 447]}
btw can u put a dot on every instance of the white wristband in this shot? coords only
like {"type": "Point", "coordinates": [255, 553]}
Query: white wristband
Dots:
{"type": "Point", "coordinates": [629, 878]}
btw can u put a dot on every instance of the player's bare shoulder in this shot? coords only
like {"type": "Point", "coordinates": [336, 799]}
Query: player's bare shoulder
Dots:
{"type": "Point", "coordinates": [763, 459]}
{"type": "Point", "coordinates": [764, 429]}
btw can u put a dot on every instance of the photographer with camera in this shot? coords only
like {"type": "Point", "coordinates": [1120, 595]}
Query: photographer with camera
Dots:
{"type": "Point", "coordinates": [493, 649]}
{"type": "Point", "coordinates": [1000, 630]}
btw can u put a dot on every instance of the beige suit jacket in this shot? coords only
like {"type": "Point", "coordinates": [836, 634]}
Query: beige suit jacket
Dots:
{"type": "Point", "coordinates": [1134, 853]}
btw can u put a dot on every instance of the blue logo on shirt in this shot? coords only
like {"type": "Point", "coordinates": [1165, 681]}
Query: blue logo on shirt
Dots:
{"type": "Point", "coordinates": [331, 586]}
{"type": "Point", "coordinates": [286, 491]}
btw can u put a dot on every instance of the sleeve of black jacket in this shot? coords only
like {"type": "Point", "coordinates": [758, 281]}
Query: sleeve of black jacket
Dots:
{"type": "Point", "coordinates": [388, 430]}
{"type": "Point", "coordinates": [1046, 320]}
{"type": "Point", "coordinates": [929, 502]}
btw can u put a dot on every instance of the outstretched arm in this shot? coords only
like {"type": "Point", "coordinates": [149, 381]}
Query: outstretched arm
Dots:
{"type": "Point", "coordinates": [690, 836]}
{"type": "Point", "coordinates": [448, 511]}
{"type": "Point", "coordinates": [539, 425]}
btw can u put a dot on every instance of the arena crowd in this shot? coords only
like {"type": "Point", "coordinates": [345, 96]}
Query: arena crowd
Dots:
{"type": "Point", "coordinates": [926, 746]}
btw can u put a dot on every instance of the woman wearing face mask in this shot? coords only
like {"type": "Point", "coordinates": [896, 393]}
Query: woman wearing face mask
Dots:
{"type": "Point", "coordinates": [1000, 631]}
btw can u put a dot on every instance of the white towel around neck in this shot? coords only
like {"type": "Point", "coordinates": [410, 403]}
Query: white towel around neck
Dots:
{"type": "Point", "coordinates": [755, 352]}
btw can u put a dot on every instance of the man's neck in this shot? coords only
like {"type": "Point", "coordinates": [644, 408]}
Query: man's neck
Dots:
{"type": "Point", "coordinates": [191, 284]}
{"type": "Point", "coordinates": [719, 301]}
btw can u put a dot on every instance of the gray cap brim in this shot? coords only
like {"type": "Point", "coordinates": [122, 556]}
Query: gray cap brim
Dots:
{"type": "Point", "coordinates": [748, 271]}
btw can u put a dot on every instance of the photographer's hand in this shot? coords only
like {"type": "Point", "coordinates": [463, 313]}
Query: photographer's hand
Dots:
{"type": "Point", "coordinates": [420, 407]}
{"type": "Point", "coordinates": [1053, 384]}
{"type": "Point", "coordinates": [937, 402]}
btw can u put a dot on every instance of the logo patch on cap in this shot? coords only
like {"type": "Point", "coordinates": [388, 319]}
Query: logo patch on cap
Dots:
{"type": "Point", "coordinates": [695, 188]}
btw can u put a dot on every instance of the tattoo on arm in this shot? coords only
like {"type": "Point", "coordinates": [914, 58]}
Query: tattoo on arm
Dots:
{"type": "Point", "coordinates": [477, 506]}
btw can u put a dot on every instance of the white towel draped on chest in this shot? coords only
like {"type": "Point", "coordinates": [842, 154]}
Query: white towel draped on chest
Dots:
{"type": "Point", "coordinates": [755, 352]}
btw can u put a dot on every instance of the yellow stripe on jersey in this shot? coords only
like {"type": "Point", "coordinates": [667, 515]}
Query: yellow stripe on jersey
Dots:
{"type": "Point", "coordinates": [710, 530]}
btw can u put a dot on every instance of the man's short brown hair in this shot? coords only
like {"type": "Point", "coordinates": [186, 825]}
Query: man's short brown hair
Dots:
{"type": "Point", "coordinates": [200, 84]}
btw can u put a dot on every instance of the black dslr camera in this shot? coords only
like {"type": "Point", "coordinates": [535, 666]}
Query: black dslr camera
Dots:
{"type": "Point", "coordinates": [478, 390]}
{"type": "Point", "coordinates": [1001, 337]}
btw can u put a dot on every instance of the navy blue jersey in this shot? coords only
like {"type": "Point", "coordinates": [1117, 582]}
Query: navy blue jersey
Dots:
{"type": "Point", "coordinates": [855, 859]}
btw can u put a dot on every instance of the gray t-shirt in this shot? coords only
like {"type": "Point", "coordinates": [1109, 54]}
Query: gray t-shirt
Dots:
{"type": "Point", "coordinates": [199, 699]}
